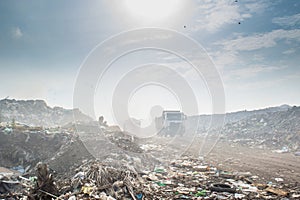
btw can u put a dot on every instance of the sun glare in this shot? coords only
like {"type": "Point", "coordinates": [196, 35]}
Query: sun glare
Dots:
{"type": "Point", "coordinates": [152, 10]}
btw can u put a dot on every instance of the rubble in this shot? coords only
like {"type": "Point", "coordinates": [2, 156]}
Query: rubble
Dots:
{"type": "Point", "coordinates": [278, 130]}
{"type": "Point", "coordinates": [38, 113]}
{"type": "Point", "coordinates": [297, 153]}
{"type": "Point", "coordinates": [45, 187]}
{"type": "Point", "coordinates": [22, 150]}
{"type": "Point", "coordinates": [123, 140]}
{"type": "Point", "coordinates": [182, 179]}
{"type": "Point", "coordinates": [9, 184]}
{"type": "Point", "coordinates": [68, 171]}
{"type": "Point", "coordinates": [276, 191]}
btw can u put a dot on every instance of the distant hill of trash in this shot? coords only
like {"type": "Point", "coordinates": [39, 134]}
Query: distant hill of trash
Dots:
{"type": "Point", "coordinates": [273, 127]}
{"type": "Point", "coordinates": [280, 130]}
{"type": "Point", "coordinates": [37, 113]}
{"type": "Point", "coordinates": [203, 122]}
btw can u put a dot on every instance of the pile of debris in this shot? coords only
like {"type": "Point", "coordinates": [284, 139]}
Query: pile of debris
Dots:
{"type": "Point", "coordinates": [123, 140]}
{"type": "Point", "coordinates": [38, 113]}
{"type": "Point", "coordinates": [185, 178]}
{"type": "Point", "coordinates": [8, 181]}
{"type": "Point", "coordinates": [274, 130]}
{"type": "Point", "coordinates": [28, 148]}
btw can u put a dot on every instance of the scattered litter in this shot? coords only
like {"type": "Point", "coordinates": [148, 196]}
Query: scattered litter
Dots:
{"type": "Point", "coordinates": [279, 179]}
{"type": "Point", "coordinates": [297, 153]}
{"type": "Point", "coordinates": [201, 193]}
{"type": "Point", "coordinates": [221, 187]}
{"type": "Point", "coordinates": [277, 191]}
{"type": "Point", "coordinates": [283, 150]}
{"type": "Point", "coordinates": [184, 178]}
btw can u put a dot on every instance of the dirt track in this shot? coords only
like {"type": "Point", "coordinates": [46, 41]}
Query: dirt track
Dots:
{"type": "Point", "coordinates": [263, 163]}
{"type": "Point", "coordinates": [235, 157]}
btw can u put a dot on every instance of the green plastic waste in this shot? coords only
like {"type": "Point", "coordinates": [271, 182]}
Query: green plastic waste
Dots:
{"type": "Point", "coordinates": [158, 170]}
{"type": "Point", "coordinates": [201, 193]}
{"type": "Point", "coordinates": [160, 183]}
{"type": "Point", "coordinates": [33, 178]}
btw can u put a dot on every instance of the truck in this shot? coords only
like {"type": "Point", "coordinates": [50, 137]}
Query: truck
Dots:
{"type": "Point", "coordinates": [172, 122]}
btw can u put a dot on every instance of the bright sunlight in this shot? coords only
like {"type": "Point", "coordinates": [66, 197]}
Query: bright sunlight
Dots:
{"type": "Point", "coordinates": [153, 10]}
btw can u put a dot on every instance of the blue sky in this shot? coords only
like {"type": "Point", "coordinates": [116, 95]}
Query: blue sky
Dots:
{"type": "Point", "coordinates": [255, 45]}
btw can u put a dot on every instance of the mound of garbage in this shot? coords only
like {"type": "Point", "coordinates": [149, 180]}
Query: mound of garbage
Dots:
{"type": "Point", "coordinates": [185, 178]}
{"type": "Point", "coordinates": [275, 130]}
{"type": "Point", "coordinates": [38, 113]}
{"type": "Point", "coordinates": [68, 171]}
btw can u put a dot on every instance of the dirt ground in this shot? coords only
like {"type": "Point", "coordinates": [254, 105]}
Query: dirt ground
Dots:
{"type": "Point", "coordinates": [225, 155]}
{"type": "Point", "coordinates": [264, 163]}
{"type": "Point", "coordinates": [234, 157]}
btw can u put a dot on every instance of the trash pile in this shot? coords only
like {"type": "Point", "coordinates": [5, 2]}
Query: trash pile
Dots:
{"type": "Point", "coordinates": [142, 171]}
{"type": "Point", "coordinates": [28, 148]}
{"type": "Point", "coordinates": [277, 130]}
{"type": "Point", "coordinates": [124, 141]}
{"type": "Point", "coordinates": [8, 181]}
{"type": "Point", "coordinates": [185, 178]}
{"type": "Point", "coordinates": [38, 113]}
{"type": "Point", "coordinates": [22, 150]}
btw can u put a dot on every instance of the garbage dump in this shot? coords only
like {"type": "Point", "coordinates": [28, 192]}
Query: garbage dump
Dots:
{"type": "Point", "coordinates": [184, 178]}
{"type": "Point", "coordinates": [278, 131]}
{"type": "Point", "coordinates": [54, 164]}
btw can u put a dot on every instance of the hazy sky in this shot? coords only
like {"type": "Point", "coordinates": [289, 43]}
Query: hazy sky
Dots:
{"type": "Point", "coordinates": [255, 45]}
